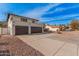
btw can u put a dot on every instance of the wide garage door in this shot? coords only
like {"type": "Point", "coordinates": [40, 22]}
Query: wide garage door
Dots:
{"type": "Point", "coordinates": [36, 29]}
{"type": "Point", "coordinates": [19, 30]}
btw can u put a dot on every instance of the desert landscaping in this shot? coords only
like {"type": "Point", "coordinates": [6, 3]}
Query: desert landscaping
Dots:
{"type": "Point", "coordinates": [12, 46]}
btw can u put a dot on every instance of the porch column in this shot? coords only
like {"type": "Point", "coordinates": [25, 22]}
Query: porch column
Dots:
{"type": "Point", "coordinates": [42, 29]}
{"type": "Point", "coordinates": [29, 29]}
{"type": "Point", "coordinates": [12, 30]}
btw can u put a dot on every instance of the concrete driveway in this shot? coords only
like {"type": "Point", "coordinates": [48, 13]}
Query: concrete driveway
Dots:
{"type": "Point", "coordinates": [65, 44]}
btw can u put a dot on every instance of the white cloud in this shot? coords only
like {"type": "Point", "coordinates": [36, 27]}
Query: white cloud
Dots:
{"type": "Point", "coordinates": [62, 17]}
{"type": "Point", "coordinates": [63, 9]}
{"type": "Point", "coordinates": [67, 16]}
{"type": "Point", "coordinates": [38, 12]}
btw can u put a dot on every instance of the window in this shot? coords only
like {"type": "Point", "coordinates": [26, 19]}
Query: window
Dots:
{"type": "Point", "coordinates": [23, 19]}
{"type": "Point", "coordinates": [33, 21]}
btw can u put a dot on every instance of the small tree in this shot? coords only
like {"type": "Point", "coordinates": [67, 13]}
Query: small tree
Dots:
{"type": "Point", "coordinates": [62, 27]}
{"type": "Point", "coordinates": [0, 24]}
{"type": "Point", "coordinates": [74, 24]}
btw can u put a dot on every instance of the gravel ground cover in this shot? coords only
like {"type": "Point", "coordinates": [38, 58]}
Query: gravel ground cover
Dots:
{"type": "Point", "coordinates": [13, 46]}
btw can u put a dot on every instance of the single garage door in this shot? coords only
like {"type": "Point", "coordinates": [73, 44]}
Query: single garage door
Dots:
{"type": "Point", "coordinates": [36, 29]}
{"type": "Point", "coordinates": [19, 30]}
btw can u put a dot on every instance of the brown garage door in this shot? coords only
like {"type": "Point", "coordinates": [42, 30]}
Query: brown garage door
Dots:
{"type": "Point", "coordinates": [36, 29]}
{"type": "Point", "coordinates": [19, 30]}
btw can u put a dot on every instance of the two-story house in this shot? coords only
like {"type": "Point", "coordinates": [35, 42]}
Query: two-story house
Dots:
{"type": "Point", "coordinates": [18, 25]}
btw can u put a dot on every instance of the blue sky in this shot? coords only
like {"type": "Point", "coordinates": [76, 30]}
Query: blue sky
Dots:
{"type": "Point", "coordinates": [50, 13]}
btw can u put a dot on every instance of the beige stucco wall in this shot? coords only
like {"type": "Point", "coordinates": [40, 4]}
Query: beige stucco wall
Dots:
{"type": "Point", "coordinates": [17, 21]}
{"type": "Point", "coordinates": [27, 24]}
{"type": "Point", "coordinates": [50, 28]}
{"type": "Point", "coordinates": [10, 26]}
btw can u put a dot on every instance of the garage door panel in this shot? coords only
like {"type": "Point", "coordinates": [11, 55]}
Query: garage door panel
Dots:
{"type": "Point", "coordinates": [19, 30]}
{"type": "Point", "coordinates": [36, 29]}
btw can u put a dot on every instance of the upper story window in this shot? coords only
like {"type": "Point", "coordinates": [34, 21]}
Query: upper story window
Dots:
{"type": "Point", "coordinates": [33, 21]}
{"type": "Point", "coordinates": [23, 20]}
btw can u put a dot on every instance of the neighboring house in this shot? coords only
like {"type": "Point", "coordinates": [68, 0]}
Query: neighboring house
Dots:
{"type": "Point", "coordinates": [52, 28]}
{"type": "Point", "coordinates": [18, 25]}
{"type": "Point", "coordinates": [68, 28]}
